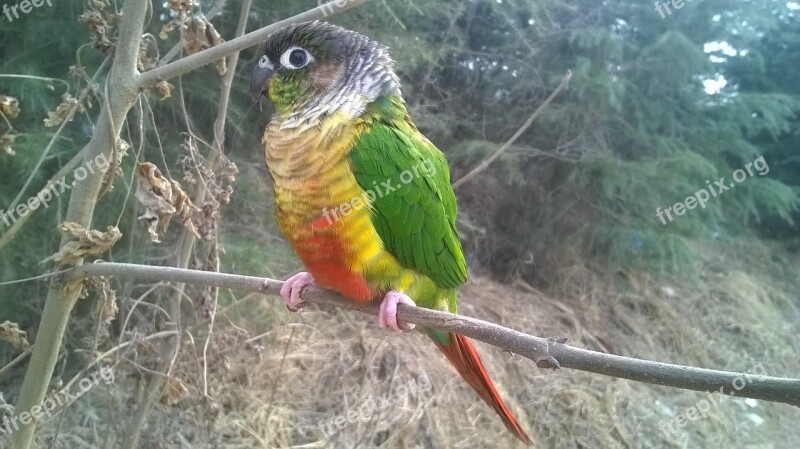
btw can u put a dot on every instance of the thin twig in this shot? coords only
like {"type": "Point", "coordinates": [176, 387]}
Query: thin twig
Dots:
{"type": "Point", "coordinates": [483, 165]}
{"type": "Point", "coordinates": [32, 278]}
{"type": "Point", "coordinates": [16, 361]}
{"type": "Point", "coordinates": [115, 158]}
{"type": "Point", "coordinates": [70, 114]}
{"type": "Point", "coordinates": [37, 78]}
{"type": "Point", "coordinates": [217, 150]}
{"type": "Point", "coordinates": [197, 60]}
{"type": "Point", "coordinates": [546, 352]}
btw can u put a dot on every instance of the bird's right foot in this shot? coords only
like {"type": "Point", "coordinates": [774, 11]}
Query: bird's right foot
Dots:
{"type": "Point", "coordinates": [387, 315]}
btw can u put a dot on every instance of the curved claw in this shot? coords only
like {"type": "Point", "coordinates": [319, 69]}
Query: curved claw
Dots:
{"type": "Point", "coordinates": [387, 316]}
{"type": "Point", "coordinates": [291, 289]}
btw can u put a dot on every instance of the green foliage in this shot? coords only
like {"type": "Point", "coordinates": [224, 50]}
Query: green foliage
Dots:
{"type": "Point", "coordinates": [761, 197]}
{"type": "Point", "coordinates": [636, 131]}
{"type": "Point", "coordinates": [623, 247]}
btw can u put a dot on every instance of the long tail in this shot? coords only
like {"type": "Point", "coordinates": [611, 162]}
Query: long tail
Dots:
{"type": "Point", "coordinates": [464, 357]}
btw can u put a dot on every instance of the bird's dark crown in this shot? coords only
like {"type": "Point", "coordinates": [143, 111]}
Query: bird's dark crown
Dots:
{"type": "Point", "coordinates": [323, 39]}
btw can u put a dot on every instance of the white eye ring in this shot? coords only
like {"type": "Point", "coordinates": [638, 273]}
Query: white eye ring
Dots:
{"type": "Point", "coordinates": [265, 63]}
{"type": "Point", "coordinates": [287, 55]}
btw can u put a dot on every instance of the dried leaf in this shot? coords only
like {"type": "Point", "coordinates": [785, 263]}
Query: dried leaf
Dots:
{"type": "Point", "coordinates": [105, 310]}
{"type": "Point", "coordinates": [63, 111]}
{"type": "Point", "coordinates": [9, 106]}
{"type": "Point", "coordinates": [9, 332]}
{"type": "Point", "coordinates": [164, 89]}
{"type": "Point", "coordinates": [167, 28]}
{"type": "Point", "coordinates": [199, 34]}
{"type": "Point", "coordinates": [229, 171]}
{"type": "Point", "coordinates": [174, 392]}
{"type": "Point", "coordinates": [6, 140]}
{"type": "Point", "coordinates": [144, 62]}
{"type": "Point", "coordinates": [88, 242]}
{"type": "Point", "coordinates": [162, 198]}
{"type": "Point", "coordinates": [182, 6]}
{"type": "Point", "coordinates": [122, 150]}
{"type": "Point", "coordinates": [194, 37]}
{"type": "Point", "coordinates": [99, 29]}
{"type": "Point", "coordinates": [78, 72]}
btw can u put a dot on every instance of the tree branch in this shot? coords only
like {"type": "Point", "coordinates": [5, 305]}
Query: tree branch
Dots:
{"type": "Point", "coordinates": [197, 60]}
{"type": "Point", "coordinates": [546, 352]}
{"type": "Point", "coordinates": [82, 201]}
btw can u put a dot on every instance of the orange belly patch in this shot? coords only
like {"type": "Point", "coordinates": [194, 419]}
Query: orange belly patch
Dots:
{"type": "Point", "coordinates": [326, 256]}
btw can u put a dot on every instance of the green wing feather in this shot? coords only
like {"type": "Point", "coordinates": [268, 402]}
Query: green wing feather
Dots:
{"type": "Point", "coordinates": [416, 221]}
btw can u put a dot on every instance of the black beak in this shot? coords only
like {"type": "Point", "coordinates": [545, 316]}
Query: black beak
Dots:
{"type": "Point", "coordinates": [258, 83]}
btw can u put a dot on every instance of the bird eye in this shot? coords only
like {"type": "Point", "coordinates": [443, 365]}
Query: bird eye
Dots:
{"type": "Point", "coordinates": [264, 62]}
{"type": "Point", "coordinates": [295, 58]}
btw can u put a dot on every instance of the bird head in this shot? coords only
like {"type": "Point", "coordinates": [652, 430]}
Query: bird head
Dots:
{"type": "Point", "coordinates": [319, 66]}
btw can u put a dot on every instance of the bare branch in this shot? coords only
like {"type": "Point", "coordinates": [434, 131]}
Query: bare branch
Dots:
{"type": "Point", "coordinates": [483, 165]}
{"type": "Point", "coordinates": [82, 202]}
{"type": "Point", "coordinates": [197, 60]}
{"type": "Point", "coordinates": [16, 361]}
{"type": "Point", "coordinates": [546, 352]}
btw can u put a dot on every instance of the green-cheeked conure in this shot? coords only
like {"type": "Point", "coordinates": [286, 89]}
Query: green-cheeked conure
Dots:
{"type": "Point", "coordinates": [364, 198]}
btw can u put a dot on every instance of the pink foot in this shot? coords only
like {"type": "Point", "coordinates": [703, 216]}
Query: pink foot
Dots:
{"type": "Point", "coordinates": [291, 289]}
{"type": "Point", "coordinates": [387, 317]}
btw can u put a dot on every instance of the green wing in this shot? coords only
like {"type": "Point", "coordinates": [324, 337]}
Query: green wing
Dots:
{"type": "Point", "coordinates": [416, 220]}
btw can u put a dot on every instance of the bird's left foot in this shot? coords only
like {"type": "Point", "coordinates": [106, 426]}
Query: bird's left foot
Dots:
{"type": "Point", "coordinates": [291, 289]}
{"type": "Point", "coordinates": [387, 316]}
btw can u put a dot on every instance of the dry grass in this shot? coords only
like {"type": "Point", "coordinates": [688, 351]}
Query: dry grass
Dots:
{"type": "Point", "coordinates": [279, 380]}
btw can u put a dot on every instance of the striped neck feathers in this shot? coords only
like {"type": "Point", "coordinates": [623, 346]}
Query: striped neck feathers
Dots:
{"type": "Point", "coordinates": [368, 77]}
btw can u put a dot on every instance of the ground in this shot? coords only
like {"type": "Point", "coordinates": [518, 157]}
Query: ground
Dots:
{"type": "Point", "coordinates": [332, 379]}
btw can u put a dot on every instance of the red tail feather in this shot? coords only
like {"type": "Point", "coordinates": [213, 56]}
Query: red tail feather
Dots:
{"type": "Point", "coordinates": [464, 357]}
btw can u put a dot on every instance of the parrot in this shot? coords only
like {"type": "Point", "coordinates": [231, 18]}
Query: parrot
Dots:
{"type": "Point", "coordinates": [363, 197]}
